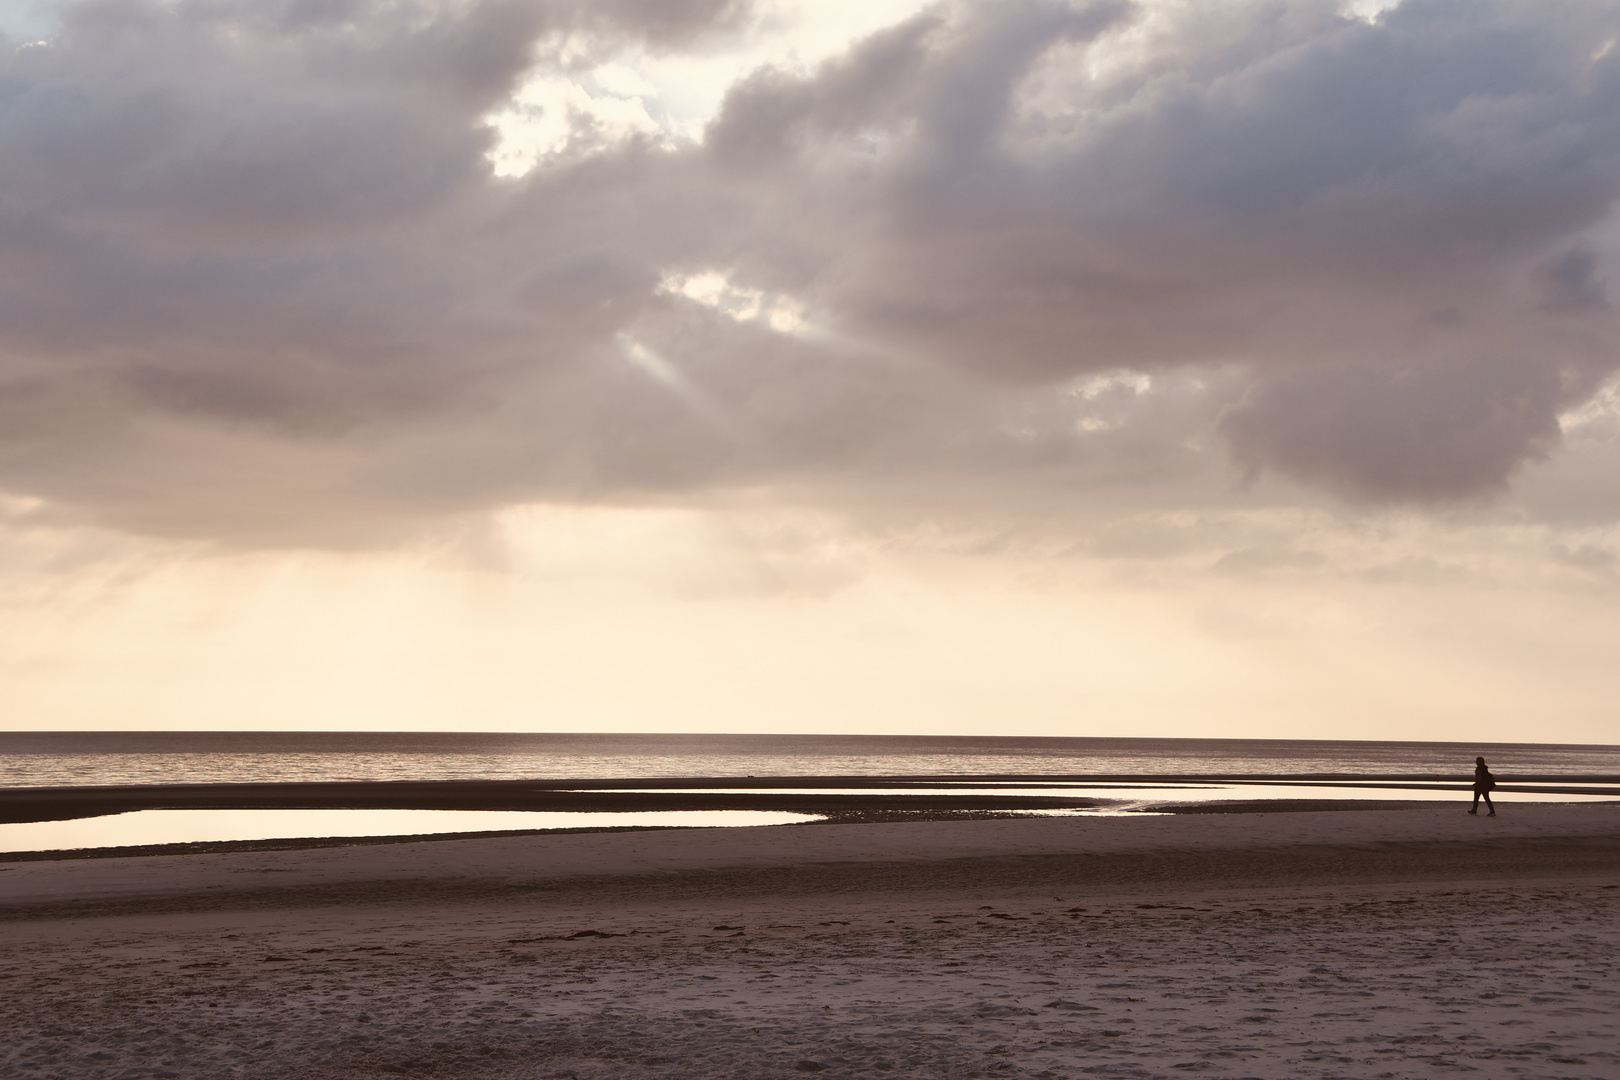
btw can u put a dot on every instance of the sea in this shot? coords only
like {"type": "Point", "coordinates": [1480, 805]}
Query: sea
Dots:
{"type": "Point", "coordinates": [62, 759]}
{"type": "Point", "coordinates": [1122, 775]}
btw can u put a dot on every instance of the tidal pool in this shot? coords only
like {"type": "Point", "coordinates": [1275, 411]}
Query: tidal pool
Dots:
{"type": "Point", "coordinates": [141, 827]}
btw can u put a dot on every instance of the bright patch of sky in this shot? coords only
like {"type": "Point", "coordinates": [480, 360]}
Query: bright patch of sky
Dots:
{"type": "Point", "coordinates": [1368, 9]}
{"type": "Point", "coordinates": [551, 111]}
{"type": "Point", "coordinates": [714, 290]}
{"type": "Point", "coordinates": [671, 96]}
{"type": "Point", "coordinates": [1104, 396]}
{"type": "Point", "coordinates": [1596, 419]}
{"type": "Point", "coordinates": [1094, 386]}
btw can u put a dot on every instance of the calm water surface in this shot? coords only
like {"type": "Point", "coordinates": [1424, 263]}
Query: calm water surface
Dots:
{"type": "Point", "coordinates": [66, 759]}
{"type": "Point", "coordinates": [142, 827]}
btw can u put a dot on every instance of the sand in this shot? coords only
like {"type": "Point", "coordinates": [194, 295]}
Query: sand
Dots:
{"type": "Point", "coordinates": [1362, 944]}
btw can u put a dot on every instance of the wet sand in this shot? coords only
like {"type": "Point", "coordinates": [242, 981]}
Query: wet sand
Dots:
{"type": "Point", "coordinates": [1383, 942]}
{"type": "Point", "coordinates": [58, 804]}
{"type": "Point", "coordinates": [799, 794]}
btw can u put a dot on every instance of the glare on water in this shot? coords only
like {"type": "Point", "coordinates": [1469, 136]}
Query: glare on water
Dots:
{"type": "Point", "coordinates": [142, 827]}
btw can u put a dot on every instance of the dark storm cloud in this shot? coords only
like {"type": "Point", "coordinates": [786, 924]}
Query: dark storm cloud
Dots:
{"type": "Point", "coordinates": [257, 279]}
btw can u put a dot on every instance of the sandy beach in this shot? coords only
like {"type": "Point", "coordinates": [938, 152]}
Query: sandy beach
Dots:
{"type": "Point", "coordinates": [1365, 943]}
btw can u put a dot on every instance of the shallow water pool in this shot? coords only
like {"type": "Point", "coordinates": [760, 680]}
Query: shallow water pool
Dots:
{"type": "Point", "coordinates": [143, 827]}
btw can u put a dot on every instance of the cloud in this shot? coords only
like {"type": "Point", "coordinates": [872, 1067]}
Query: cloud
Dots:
{"type": "Point", "coordinates": [261, 282]}
{"type": "Point", "coordinates": [1360, 213]}
{"type": "Point", "coordinates": [1422, 432]}
{"type": "Point", "coordinates": [1572, 282]}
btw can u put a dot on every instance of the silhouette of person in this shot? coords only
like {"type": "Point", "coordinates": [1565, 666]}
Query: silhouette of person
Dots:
{"type": "Point", "coordinates": [1483, 782]}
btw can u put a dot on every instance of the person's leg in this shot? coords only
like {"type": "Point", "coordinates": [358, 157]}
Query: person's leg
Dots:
{"type": "Point", "coordinates": [1475, 808]}
{"type": "Point", "coordinates": [1489, 805]}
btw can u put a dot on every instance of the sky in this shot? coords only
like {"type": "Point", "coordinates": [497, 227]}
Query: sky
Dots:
{"type": "Point", "coordinates": [1217, 368]}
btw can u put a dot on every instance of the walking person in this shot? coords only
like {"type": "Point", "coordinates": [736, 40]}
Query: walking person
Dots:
{"type": "Point", "coordinates": [1483, 782]}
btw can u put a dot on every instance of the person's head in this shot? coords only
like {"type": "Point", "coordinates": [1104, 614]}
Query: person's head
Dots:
{"type": "Point", "coordinates": [1479, 761]}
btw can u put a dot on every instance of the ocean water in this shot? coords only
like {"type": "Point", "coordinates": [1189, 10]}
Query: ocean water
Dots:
{"type": "Point", "coordinates": [53, 759]}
